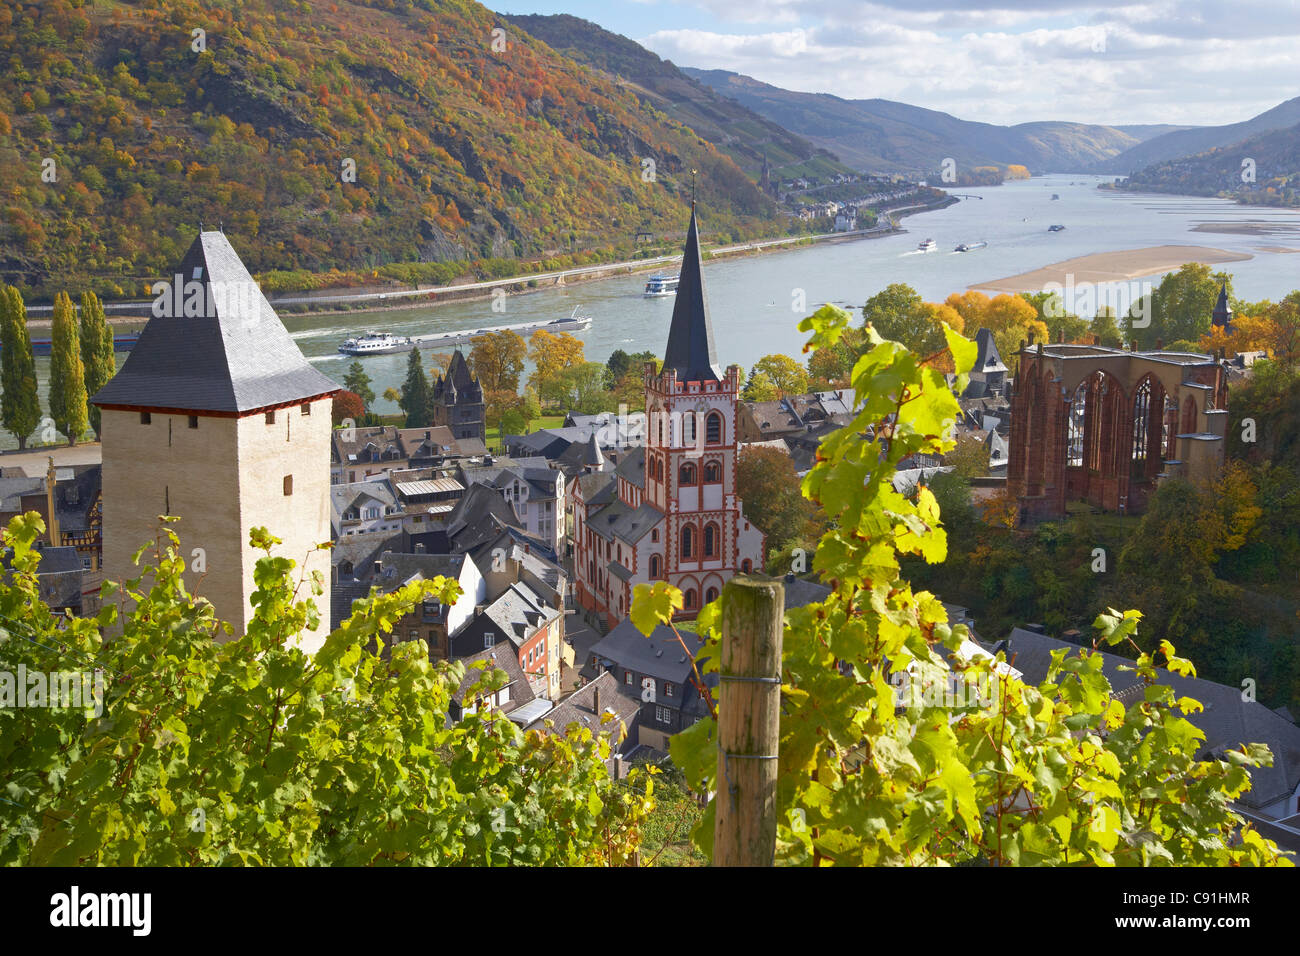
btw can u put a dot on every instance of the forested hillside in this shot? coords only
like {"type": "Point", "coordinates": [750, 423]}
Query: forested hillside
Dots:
{"type": "Point", "coordinates": [323, 135]}
{"type": "Point", "coordinates": [1263, 170]}
{"type": "Point", "coordinates": [736, 130]}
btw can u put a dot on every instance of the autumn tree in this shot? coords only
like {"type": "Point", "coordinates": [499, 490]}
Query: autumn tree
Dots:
{"type": "Point", "coordinates": [1105, 329]}
{"type": "Point", "coordinates": [97, 356]}
{"type": "Point", "coordinates": [20, 408]}
{"type": "Point", "coordinates": [497, 360]}
{"type": "Point", "coordinates": [581, 388]}
{"type": "Point", "coordinates": [347, 405]}
{"type": "Point", "coordinates": [67, 373]}
{"type": "Point", "coordinates": [553, 355]}
{"type": "Point", "coordinates": [898, 313]}
{"type": "Point", "coordinates": [774, 377]}
{"type": "Point", "coordinates": [1062, 326]}
{"type": "Point", "coordinates": [1180, 307]}
{"type": "Point", "coordinates": [769, 486]}
{"type": "Point", "coordinates": [1010, 318]}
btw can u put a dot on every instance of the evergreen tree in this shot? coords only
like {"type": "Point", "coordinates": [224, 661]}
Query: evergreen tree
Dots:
{"type": "Point", "coordinates": [358, 383]}
{"type": "Point", "coordinates": [20, 406]}
{"type": "Point", "coordinates": [96, 351]}
{"type": "Point", "coordinates": [67, 373]}
{"type": "Point", "coordinates": [415, 393]}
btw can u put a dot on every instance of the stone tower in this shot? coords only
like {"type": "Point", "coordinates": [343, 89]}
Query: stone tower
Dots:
{"type": "Point", "coordinates": [457, 401]}
{"type": "Point", "coordinates": [218, 419]}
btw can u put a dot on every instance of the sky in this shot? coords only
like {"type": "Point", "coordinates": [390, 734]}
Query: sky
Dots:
{"type": "Point", "coordinates": [1008, 61]}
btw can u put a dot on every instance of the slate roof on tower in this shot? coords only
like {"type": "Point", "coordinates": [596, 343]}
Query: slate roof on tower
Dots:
{"type": "Point", "coordinates": [235, 357]}
{"type": "Point", "coordinates": [690, 337]}
{"type": "Point", "coordinates": [1223, 311]}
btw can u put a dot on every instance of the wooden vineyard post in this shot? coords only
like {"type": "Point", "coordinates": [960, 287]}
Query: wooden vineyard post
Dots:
{"type": "Point", "coordinates": [749, 712]}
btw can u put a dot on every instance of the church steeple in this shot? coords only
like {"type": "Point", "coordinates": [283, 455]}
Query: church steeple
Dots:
{"type": "Point", "coordinates": [691, 352]}
{"type": "Point", "coordinates": [1223, 311]}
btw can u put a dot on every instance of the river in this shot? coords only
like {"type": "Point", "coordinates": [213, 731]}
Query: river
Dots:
{"type": "Point", "coordinates": [751, 299]}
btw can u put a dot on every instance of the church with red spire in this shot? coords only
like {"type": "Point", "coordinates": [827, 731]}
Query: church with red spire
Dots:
{"type": "Point", "coordinates": [669, 511]}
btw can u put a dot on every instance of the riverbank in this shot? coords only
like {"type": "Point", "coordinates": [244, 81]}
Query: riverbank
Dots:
{"type": "Point", "coordinates": [433, 296]}
{"type": "Point", "coordinates": [1118, 266]}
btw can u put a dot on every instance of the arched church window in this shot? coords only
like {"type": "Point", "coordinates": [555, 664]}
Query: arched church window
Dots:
{"type": "Point", "coordinates": [713, 428]}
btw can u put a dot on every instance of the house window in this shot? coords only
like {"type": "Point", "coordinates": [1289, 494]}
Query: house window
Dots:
{"type": "Point", "coordinates": [145, 418]}
{"type": "Point", "coordinates": [306, 408]}
{"type": "Point", "coordinates": [713, 428]}
{"type": "Point", "coordinates": [668, 689]}
{"type": "Point", "coordinates": [414, 635]}
{"type": "Point", "coordinates": [627, 678]}
{"type": "Point", "coordinates": [489, 638]}
{"type": "Point", "coordinates": [664, 715]}
{"type": "Point", "coordinates": [194, 421]}
{"type": "Point", "coordinates": [270, 418]}
{"type": "Point", "coordinates": [654, 535]}
{"type": "Point", "coordinates": [687, 474]}
{"type": "Point", "coordinates": [288, 484]}
{"type": "Point", "coordinates": [712, 473]}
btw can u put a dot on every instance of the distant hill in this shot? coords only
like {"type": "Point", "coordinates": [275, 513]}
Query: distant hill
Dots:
{"type": "Point", "coordinates": [346, 134]}
{"type": "Point", "coordinates": [739, 132]}
{"type": "Point", "coordinates": [1218, 172]}
{"type": "Point", "coordinates": [1198, 139]}
{"type": "Point", "coordinates": [885, 136]}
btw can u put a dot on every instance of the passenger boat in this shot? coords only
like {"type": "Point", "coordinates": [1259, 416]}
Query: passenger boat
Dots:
{"type": "Point", "coordinates": [376, 343]}
{"type": "Point", "coordinates": [969, 246]}
{"type": "Point", "coordinates": [659, 286]}
{"type": "Point", "coordinates": [1055, 228]}
{"type": "Point", "coordinates": [928, 245]}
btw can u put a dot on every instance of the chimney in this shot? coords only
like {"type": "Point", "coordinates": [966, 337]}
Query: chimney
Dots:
{"type": "Point", "coordinates": [595, 699]}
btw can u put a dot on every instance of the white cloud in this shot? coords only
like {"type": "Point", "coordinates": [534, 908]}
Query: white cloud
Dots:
{"type": "Point", "coordinates": [1189, 61]}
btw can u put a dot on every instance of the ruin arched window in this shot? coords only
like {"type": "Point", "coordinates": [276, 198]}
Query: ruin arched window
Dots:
{"type": "Point", "coordinates": [1141, 416]}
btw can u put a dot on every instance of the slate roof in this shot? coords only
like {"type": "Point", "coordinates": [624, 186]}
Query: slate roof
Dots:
{"type": "Point", "coordinates": [632, 467]}
{"type": "Point", "coordinates": [988, 359]}
{"type": "Point", "coordinates": [620, 520]}
{"type": "Point", "coordinates": [597, 488]}
{"type": "Point", "coordinates": [659, 655]}
{"type": "Point", "coordinates": [1227, 720]}
{"type": "Point", "coordinates": [13, 489]}
{"type": "Point", "coordinates": [364, 549]}
{"type": "Point", "coordinates": [521, 691]}
{"type": "Point", "coordinates": [400, 568]}
{"type": "Point", "coordinates": [519, 612]}
{"type": "Point", "coordinates": [691, 352]}
{"type": "Point", "coordinates": [579, 708]}
{"type": "Point", "coordinates": [236, 357]}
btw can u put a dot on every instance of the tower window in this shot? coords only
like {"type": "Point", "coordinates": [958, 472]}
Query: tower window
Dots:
{"type": "Point", "coordinates": [288, 484]}
{"type": "Point", "coordinates": [145, 418]}
{"type": "Point", "coordinates": [713, 428]}
{"type": "Point", "coordinates": [194, 421]}
{"type": "Point", "coordinates": [712, 473]}
{"type": "Point", "coordinates": [270, 418]}
{"type": "Point", "coordinates": [686, 476]}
